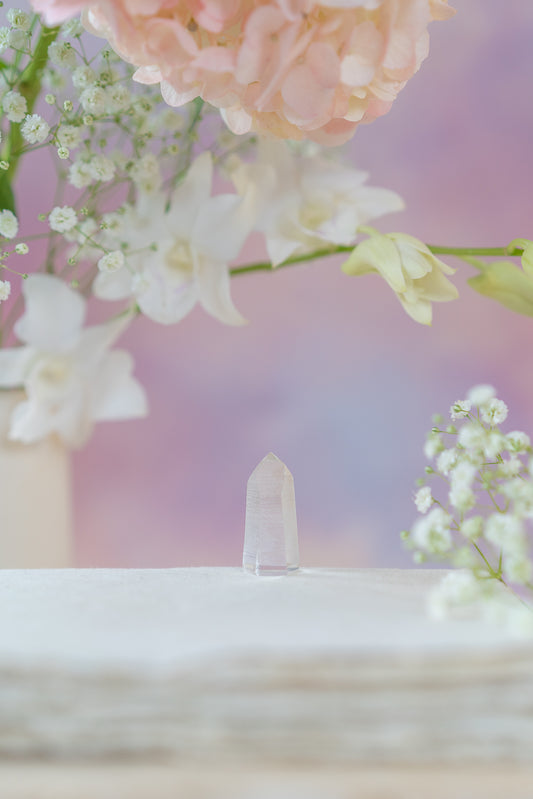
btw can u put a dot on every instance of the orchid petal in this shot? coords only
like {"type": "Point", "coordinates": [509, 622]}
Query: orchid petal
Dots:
{"type": "Point", "coordinates": [380, 254]}
{"type": "Point", "coordinates": [29, 422]}
{"type": "Point", "coordinates": [113, 285]}
{"type": "Point", "coordinates": [507, 284]}
{"type": "Point", "coordinates": [280, 248]}
{"type": "Point", "coordinates": [14, 366]}
{"type": "Point", "coordinates": [340, 229]}
{"type": "Point", "coordinates": [222, 226]}
{"type": "Point", "coordinates": [164, 301]}
{"type": "Point", "coordinates": [214, 292]}
{"type": "Point", "coordinates": [54, 315]}
{"type": "Point", "coordinates": [420, 310]}
{"type": "Point", "coordinates": [374, 202]}
{"type": "Point", "coordinates": [32, 421]}
{"type": "Point", "coordinates": [95, 340]}
{"type": "Point", "coordinates": [416, 264]}
{"type": "Point", "coordinates": [115, 393]}
{"type": "Point", "coordinates": [190, 197]}
{"type": "Point", "coordinates": [412, 243]}
{"type": "Point", "coordinates": [437, 288]}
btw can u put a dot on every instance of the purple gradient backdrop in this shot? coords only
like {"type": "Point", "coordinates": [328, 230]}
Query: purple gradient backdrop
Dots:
{"type": "Point", "coordinates": [331, 374]}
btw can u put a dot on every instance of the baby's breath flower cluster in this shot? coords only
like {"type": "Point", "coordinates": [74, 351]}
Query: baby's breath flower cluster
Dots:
{"type": "Point", "coordinates": [476, 504]}
{"type": "Point", "coordinates": [111, 138]}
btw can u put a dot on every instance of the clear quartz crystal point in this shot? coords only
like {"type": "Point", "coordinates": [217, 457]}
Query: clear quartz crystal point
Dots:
{"type": "Point", "coordinates": [271, 532]}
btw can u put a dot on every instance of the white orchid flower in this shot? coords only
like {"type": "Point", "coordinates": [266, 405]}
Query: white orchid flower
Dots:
{"type": "Point", "coordinates": [308, 202]}
{"type": "Point", "coordinates": [196, 239]}
{"type": "Point", "coordinates": [70, 378]}
{"type": "Point", "coordinates": [409, 267]}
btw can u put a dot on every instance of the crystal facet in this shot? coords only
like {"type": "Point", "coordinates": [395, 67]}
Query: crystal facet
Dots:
{"type": "Point", "coordinates": [271, 532]}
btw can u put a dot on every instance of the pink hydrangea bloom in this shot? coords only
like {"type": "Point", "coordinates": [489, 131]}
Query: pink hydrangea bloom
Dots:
{"type": "Point", "coordinates": [290, 68]}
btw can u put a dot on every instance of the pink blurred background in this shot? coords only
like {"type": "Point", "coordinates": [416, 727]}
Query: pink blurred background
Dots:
{"type": "Point", "coordinates": [330, 374]}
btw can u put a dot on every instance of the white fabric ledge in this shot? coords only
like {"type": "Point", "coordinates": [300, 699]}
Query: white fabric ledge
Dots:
{"type": "Point", "coordinates": [166, 618]}
{"type": "Point", "coordinates": [331, 666]}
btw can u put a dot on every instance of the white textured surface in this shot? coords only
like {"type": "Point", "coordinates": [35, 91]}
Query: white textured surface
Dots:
{"type": "Point", "coordinates": [171, 617]}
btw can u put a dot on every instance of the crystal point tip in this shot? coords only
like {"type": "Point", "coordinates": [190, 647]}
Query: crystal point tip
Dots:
{"type": "Point", "coordinates": [270, 458]}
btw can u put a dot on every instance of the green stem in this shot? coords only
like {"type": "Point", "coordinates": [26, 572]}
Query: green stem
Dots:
{"type": "Point", "coordinates": [489, 567]}
{"type": "Point", "coordinates": [500, 510]}
{"type": "Point", "coordinates": [474, 251]}
{"type": "Point", "coordinates": [297, 259]}
{"type": "Point", "coordinates": [30, 87]}
{"type": "Point", "coordinates": [497, 575]}
{"type": "Point", "coordinates": [459, 252]}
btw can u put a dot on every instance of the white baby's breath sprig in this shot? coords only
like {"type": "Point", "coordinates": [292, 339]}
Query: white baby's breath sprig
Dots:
{"type": "Point", "coordinates": [111, 261]}
{"type": "Point", "coordinates": [482, 514]}
{"type": "Point", "coordinates": [5, 290]}
{"type": "Point", "coordinates": [62, 219]}
{"type": "Point", "coordinates": [110, 136]}
{"type": "Point", "coordinates": [8, 224]}
{"type": "Point", "coordinates": [460, 409]}
{"type": "Point", "coordinates": [34, 129]}
{"type": "Point", "coordinates": [14, 106]}
{"type": "Point", "coordinates": [19, 19]}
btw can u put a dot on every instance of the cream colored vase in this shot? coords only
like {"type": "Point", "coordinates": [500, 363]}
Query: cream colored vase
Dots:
{"type": "Point", "coordinates": [35, 499]}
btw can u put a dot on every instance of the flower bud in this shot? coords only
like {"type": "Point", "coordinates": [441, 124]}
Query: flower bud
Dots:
{"type": "Point", "coordinates": [506, 283]}
{"type": "Point", "coordinates": [412, 271]}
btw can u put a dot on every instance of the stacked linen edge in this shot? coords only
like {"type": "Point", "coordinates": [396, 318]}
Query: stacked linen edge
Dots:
{"type": "Point", "coordinates": [289, 711]}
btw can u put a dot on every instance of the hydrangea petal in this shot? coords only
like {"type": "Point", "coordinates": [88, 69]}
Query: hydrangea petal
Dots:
{"type": "Point", "coordinates": [176, 98]}
{"type": "Point", "coordinates": [272, 76]}
{"type": "Point", "coordinates": [57, 11]}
